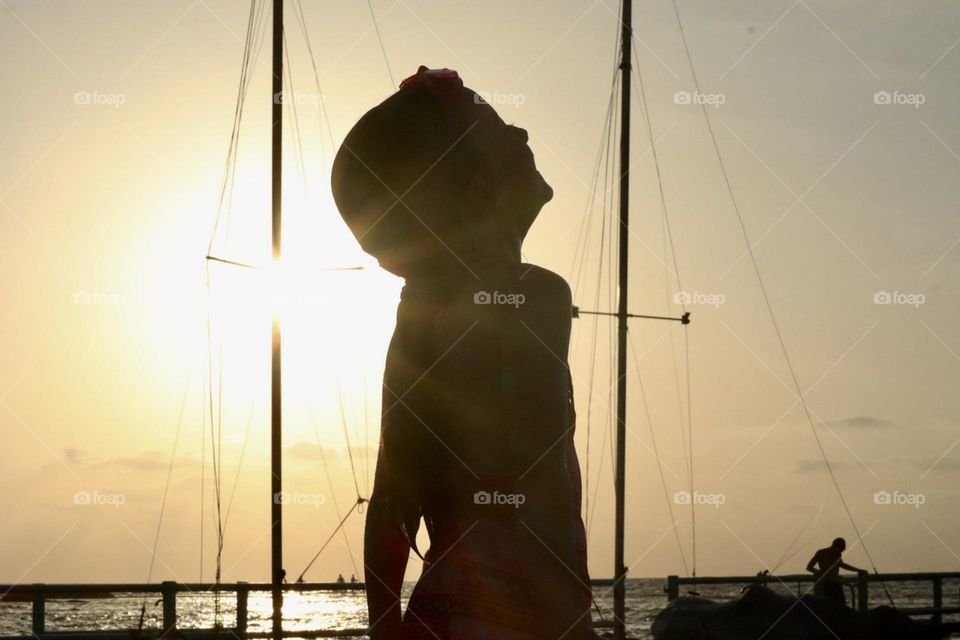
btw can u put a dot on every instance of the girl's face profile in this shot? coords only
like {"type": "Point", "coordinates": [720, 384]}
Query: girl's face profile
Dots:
{"type": "Point", "coordinates": [520, 191]}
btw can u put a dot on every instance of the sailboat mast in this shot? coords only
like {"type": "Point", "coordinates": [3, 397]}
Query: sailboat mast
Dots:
{"type": "Point", "coordinates": [276, 506]}
{"type": "Point", "coordinates": [620, 569]}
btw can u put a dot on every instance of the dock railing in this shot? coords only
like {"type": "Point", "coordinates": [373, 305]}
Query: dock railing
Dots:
{"type": "Point", "coordinates": [40, 594]}
{"type": "Point", "coordinates": [859, 582]}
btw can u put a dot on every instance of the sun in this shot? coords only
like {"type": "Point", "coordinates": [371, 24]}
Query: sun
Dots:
{"type": "Point", "coordinates": [336, 310]}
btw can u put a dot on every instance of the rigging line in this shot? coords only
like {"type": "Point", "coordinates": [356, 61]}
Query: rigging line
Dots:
{"type": "Point", "coordinates": [214, 432]}
{"type": "Point", "coordinates": [366, 434]}
{"type": "Point", "coordinates": [325, 116]}
{"type": "Point", "coordinates": [668, 236]}
{"type": "Point", "coordinates": [252, 58]}
{"type": "Point", "coordinates": [376, 27]}
{"type": "Point", "coordinates": [802, 546]}
{"type": "Point", "coordinates": [220, 369]}
{"type": "Point", "coordinates": [254, 17]}
{"type": "Point", "coordinates": [356, 504]}
{"type": "Point", "coordinates": [257, 34]}
{"type": "Point", "coordinates": [333, 494]}
{"type": "Point", "coordinates": [596, 489]}
{"type": "Point", "coordinates": [203, 469]}
{"type": "Point", "coordinates": [594, 336]}
{"type": "Point", "coordinates": [579, 262]}
{"type": "Point", "coordinates": [355, 423]}
{"type": "Point", "coordinates": [243, 450]}
{"type": "Point", "coordinates": [656, 452]}
{"type": "Point", "coordinates": [230, 148]}
{"type": "Point", "coordinates": [359, 433]}
{"type": "Point", "coordinates": [763, 290]}
{"type": "Point", "coordinates": [784, 556]}
{"type": "Point", "coordinates": [599, 281]}
{"type": "Point", "coordinates": [687, 442]}
{"type": "Point", "coordinates": [166, 491]}
{"type": "Point", "coordinates": [579, 254]}
{"type": "Point", "coordinates": [216, 439]}
{"type": "Point", "coordinates": [292, 109]}
{"type": "Point", "coordinates": [238, 109]}
{"type": "Point", "coordinates": [346, 435]}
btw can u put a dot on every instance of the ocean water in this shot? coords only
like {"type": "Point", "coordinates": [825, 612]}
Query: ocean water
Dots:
{"type": "Point", "coordinates": [347, 609]}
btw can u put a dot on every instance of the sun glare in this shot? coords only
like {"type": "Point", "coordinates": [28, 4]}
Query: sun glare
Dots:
{"type": "Point", "coordinates": [336, 309]}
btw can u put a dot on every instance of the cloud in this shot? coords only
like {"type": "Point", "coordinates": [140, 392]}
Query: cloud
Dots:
{"type": "Point", "coordinates": [72, 456]}
{"type": "Point", "coordinates": [145, 461]}
{"type": "Point", "coordinates": [932, 465]}
{"type": "Point", "coordinates": [813, 465]}
{"type": "Point", "coordinates": [310, 451]}
{"type": "Point", "coordinates": [863, 422]}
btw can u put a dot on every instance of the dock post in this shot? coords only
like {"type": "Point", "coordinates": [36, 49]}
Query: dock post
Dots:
{"type": "Point", "coordinates": [38, 623]}
{"type": "Point", "coordinates": [862, 584]}
{"type": "Point", "coordinates": [242, 592]}
{"type": "Point", "coordinates": [937, 599]}
{"type": "Point", "coordinates": [169, 590]}
{"type": "Point", "coordinates": [673, 588]}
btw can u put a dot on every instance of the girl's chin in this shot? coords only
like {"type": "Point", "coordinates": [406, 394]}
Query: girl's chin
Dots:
{"type": "Point", "coordinates": [545, 188]}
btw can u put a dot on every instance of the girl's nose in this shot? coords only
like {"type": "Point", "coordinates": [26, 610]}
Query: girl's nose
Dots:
{"type": "Point", "coordinates": [520, 133]}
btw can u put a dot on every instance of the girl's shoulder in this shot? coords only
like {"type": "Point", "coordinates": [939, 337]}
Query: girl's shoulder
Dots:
{"type": "Point", "coordinates": [536, 275]}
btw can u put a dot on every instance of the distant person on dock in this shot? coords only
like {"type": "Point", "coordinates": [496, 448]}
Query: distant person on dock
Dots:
{"type": "Point", "coordinates": [477, 413]}
{"type": "Point", "coordinates": [825, 565]}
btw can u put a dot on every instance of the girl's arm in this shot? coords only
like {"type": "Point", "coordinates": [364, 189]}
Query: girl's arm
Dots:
{"type": "Point", "coordinates": [385, 553]}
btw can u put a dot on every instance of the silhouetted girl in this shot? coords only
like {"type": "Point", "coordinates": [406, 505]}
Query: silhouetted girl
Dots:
{"type": "Point", "coordinates": [477, 422]}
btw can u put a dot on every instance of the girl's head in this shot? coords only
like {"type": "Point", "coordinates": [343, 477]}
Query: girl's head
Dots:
{"type": "Point", "coordinates": [433, 181]}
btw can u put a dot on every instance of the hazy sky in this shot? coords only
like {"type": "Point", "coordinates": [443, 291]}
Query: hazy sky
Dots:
{"type": "Point", "coordinates": [837, 122]}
